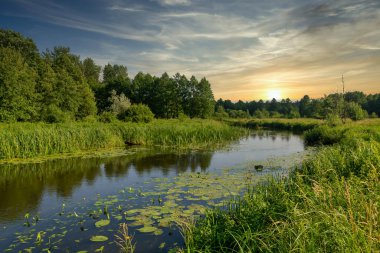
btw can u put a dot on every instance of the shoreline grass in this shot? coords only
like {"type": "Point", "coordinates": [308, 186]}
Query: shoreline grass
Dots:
{"type": "Point", "coordinates": [329, 204]}
{"type": "Point", "coordinates": [28, 140]}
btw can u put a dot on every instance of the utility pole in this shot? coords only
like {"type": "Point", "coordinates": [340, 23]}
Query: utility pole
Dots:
{"type": "Point", "coordinates": [344, 107]}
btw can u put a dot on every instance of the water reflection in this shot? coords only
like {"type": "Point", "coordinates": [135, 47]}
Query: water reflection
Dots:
{"type": "Point", "coordinates": [35, 187]}
{"type": "Point", "coordinates": [22, 186]}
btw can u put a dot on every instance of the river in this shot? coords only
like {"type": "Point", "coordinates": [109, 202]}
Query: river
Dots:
{"type": "Point", "coordinates": [61, 205]}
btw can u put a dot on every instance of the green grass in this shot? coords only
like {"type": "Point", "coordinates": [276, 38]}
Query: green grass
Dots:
{"type": "Point", "coordinates": [30, 140]}
{"type": "Point", "coordinates": [329, 204]}
{"type": "Point", "coordinates": [297, 125]}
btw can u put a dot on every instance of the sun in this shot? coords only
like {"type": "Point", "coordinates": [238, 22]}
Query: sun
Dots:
{"type": "Point", "coordinates": [274, 94]}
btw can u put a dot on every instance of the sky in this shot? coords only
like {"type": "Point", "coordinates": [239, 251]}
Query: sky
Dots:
{"type": "Point", "coordinates": [247, 49]}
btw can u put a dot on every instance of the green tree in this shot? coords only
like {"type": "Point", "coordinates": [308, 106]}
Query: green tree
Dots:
{"type": "Point", "coordinates": [73, 93]}
{"type": "Point", "coordinates": [25, 46]}
{"type": "Point", "coordinates": [355, 111]}
{"type": "Point", "coordinates": [203, 99]}
{"type": "Point", "coordinates": [91, 72]}
{"type": "Point", "coordinates": [115, 77]}
{"type": "Point", "coordinates": [142, 88]}
{"type": "Point", "coordinates": [166, 97]}
{"type": "Point", "coordinates": [18, 96]}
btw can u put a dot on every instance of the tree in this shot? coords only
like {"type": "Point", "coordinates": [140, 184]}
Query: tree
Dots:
{"type": "Point", "coordinates": [25, 46]}
{"type": "Point", "coordinates": [204, 99]}
{"type": "Point", "coordinates": [355, 111]}
{"type": "Point", "coordinates": [115, 77]}
{"type": "Point", "coordinates": [91, 72]}
{"type": "Point", "coordinates": [305, 108]}
{"type": "Point", "coordinates": [72, 91]}
{"type": "Point", "coordinates": [142, 86]}
{"type": "Point", "coordinates": [165, 97]}
{"type": "Point", "coordinates": [18, 96]}
{"type": "Point", "coordinates": [119, 103]}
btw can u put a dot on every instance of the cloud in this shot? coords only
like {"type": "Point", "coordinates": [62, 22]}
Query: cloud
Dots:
{"type": "Point", "coordinates": [126, 9]}
{"type": "Point", "coordinates": [174, 2]}
{"type": "Point", "coordinates": [240, 47]}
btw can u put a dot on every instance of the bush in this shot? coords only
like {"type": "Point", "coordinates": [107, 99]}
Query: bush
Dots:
{"type": "Point", "coordinates": [55, 115]}
{"type": "Point", "coordinates": [333, 120]}
{"type": "Point", "coordinates": [107, 117]}
{"type": "Point", "coordinates": [355, 111]}
{"type": "Point", "coordinates": [138, 113]}
{"type": "Point", "coordinates": [323, 135]}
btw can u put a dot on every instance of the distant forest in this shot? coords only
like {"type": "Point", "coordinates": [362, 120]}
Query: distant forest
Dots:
{"type": "Point", "coordinates": [58, 86]}
{"type": "Point", "coordinates": [355, 105]}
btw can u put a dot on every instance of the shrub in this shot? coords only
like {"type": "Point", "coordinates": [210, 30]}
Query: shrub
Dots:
{"type": "Point", "coordinates": [355, 112]}
{"type": "Point", "coordinates": [107, 117]}
{"type": "Point", "coordinates": [138, 113]}
{"type": "Point", "coordinates": [323, 135]}
{"type": "Point", "coordinates": [333, 120]}
{"type": "Point", "coordinates": [55, 115]}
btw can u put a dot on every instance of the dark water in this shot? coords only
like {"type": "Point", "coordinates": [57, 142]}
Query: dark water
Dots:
{"type": "Point", "coordinates": [64, 194]}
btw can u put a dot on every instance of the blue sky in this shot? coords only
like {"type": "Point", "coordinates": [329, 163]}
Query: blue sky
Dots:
{"type": "Point", "coordinates": [246, 48]}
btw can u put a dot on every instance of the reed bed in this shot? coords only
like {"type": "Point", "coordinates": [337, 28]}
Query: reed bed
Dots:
{"type": "Point", "coordinates": [329, 204]}
{"type": "Point", "coordinates": [28, 140]}
{"type": "Point", "coordinates": [296, 125]}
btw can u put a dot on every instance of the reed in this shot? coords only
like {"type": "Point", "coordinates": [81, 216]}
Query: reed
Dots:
{"type": "Point", "coordinates": [329, 204]}
{"type": "Point", "coordinates": [27, 140]}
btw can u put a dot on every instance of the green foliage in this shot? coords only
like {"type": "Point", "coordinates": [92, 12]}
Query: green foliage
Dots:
{"type": "Point", "coordinates": [323, 135]}
{"type": "Point", "coordinates": [119, 103]}
{"type": "Point", "coordinates": [25, 46]}
{"type": "Point", "coordinates": [107, 117]}
{"type": "Point", "coordinates": [326, 205]}
{"type": "Point", "coordinates": [261, 114]}
{"type": "Point", "coordinates": [72, 93]}
{"type": "Point", "coordinates": [138, 113]}
{"type": "Point", "coordinates": [296, 125]}
{"type": "Point", "coordinates": [355, 112]}
{"type": "Point", "coordinates": [26, 140]}
{"type": "Point", "coordinates": [17, 87]}
{"type": "Point", "coordinates": [333, 120]}
{"type": "Point", "coordinates": [53, 114]}
{"type": "Point", "coordinates": [220, 112]}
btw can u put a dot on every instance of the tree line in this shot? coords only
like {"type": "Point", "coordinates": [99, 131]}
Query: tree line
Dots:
{"type": "Point", "coordinates": [57, 86]}
{"type": "Point", "coordinates": [355, 105]}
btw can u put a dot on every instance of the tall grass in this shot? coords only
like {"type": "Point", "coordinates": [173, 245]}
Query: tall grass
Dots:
{"type": "Point", "coordinates": [329, 204]}
{"type": "Point", "coordinates": [26, 140]}
{"type": "Point", "coordinates": [296, 125]}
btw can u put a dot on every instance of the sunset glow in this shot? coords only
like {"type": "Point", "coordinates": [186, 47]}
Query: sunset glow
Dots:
{"type": "Point", "coordinates": [276, 94]}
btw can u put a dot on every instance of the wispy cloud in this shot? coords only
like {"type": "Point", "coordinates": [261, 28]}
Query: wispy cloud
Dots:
{"type": "Point", "coordinates": [242, 48]}
{"type": "Point", "coordinates": [126, 9]}
{"type": "Point", "coordinates": [175, 2]}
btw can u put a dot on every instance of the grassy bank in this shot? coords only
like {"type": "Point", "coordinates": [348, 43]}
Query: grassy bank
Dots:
{"type": "Point", "coordinates": [296, 125]}
{"type": "Point", "coordinates": [27, 140]}
{"type": "Point", "coordinates": [329, 204]}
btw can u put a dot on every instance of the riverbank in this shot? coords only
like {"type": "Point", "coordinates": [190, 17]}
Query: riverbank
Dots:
{"type": "Point", "coordinates": [20, 142]}
{"type": "Point", "coordinates": [329, 204]}
{"type": "Point", "coordinates": [296, 125]}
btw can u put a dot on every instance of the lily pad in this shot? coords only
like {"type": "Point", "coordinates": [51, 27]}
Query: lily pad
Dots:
{"type": "Point", "coordinates": [102, 223]}
{"type": "Point", "coordinates": [147, 229]}
{"type": "Point", "coordinates": [158, 232]}
{"type": "Point", "coordinates": [98, 238]}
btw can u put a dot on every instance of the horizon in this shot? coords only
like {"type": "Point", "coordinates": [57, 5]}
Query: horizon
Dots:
{"type": "Point", "coordinates": [248, 51]}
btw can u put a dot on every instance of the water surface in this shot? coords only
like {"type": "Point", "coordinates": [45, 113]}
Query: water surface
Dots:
{"type": "Point", "coordinates": [145, 188]}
